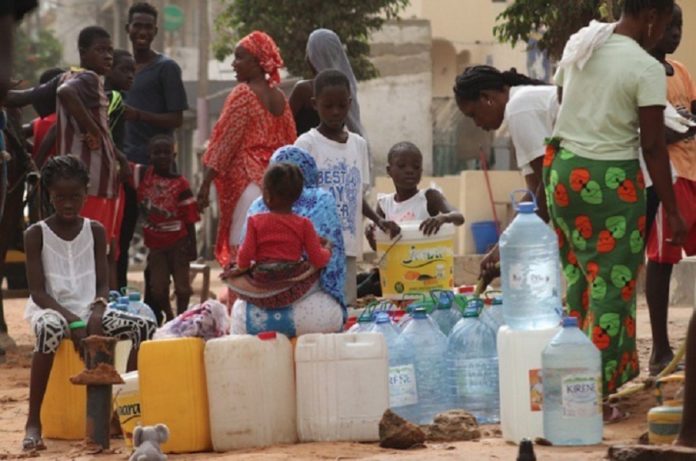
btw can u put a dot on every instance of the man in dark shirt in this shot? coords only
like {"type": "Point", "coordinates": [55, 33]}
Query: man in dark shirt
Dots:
{"type": "Point", "coordinates": [154, 105]}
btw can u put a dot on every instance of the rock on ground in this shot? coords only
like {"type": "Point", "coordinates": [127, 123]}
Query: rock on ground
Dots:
{"type": "Point", "coordinates": [453, 426]}
{"type": "Point", "coordinates": [396, 432]}
{"type": "Point", "coordinates": [651, 453]}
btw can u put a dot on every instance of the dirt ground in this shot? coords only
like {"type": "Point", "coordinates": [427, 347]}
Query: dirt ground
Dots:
{"type": "Point", "coordinates": [14, 379]}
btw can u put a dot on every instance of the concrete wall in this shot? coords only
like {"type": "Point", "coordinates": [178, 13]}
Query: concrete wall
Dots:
{"type": "Point", "coordinates": [462, 32]}
{"type": "Point", "coordinates": [685, 53]}
{"type": "Point", "coordinates": [397, 105]}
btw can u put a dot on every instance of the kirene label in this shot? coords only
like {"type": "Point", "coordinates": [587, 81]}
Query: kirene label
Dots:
{"type": "Point", "coordinates": [581, 395]}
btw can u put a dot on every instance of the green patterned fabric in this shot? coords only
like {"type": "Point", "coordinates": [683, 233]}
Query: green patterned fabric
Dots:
{"type": "Point", "coordinates": [598, 211]}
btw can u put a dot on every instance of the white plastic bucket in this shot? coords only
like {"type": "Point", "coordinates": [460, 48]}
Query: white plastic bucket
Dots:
{"type": "Point", "coordinates": [342, 386]}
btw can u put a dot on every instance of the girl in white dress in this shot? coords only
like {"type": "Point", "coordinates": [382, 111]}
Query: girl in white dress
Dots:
{"type": "Point", "coordinates": [68, 281]}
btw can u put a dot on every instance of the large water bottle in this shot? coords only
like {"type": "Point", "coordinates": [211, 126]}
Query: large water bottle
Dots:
{"type": "Point", "coordinates": [470, 314]}
{"type": "Point", "coordinates": [472, 359]}
{"type": "Point", "coordinates": [138, 306]}
{"type": "Point", "coordinates": [446, 313]}
{"type": "Point", "coordinates": [529, 266]}
{"type": "Point", "coordinates": [572, 370]}
{"type": "Point", "coordinates": [384, 325]}
{"type": "Point", "coordinates": [363, 324]}
{"type": "Point", "coordinates": [493, 315]}
{"type": "Point", "coordinates": [418, 374]}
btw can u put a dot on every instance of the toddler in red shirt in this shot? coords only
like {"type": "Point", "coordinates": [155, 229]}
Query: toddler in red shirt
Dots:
{"type": "Point", "coordinates": [280, 235]}
{"type": "Point", "coordinates": [169, 208]}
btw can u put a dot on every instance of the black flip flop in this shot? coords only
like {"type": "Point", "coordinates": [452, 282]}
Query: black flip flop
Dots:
{"type": "Point", "coordinates": [33, 443]}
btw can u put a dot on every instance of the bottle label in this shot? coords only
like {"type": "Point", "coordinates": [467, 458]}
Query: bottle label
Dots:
{"type": "Point", "coordinates": [476, 376]}
{"type": "Point", "coordinates": [581, 395]}
{"type": "Point", "coordinates": [537, 277]}
{"type": "Point", "coordinates": [536, 390]}
{"type": "Point", "coordinates": [402, 386]}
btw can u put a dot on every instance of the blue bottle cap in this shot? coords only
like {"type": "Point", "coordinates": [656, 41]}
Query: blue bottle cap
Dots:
{"type": "Point", "coordinates": [569, 322]}
{"type": "Point", "coordinates": [121, 307]}
{"type": "Point", "coordinates": [470, 313]}
{"type": "Point", "coordinates": [420, 313]}
{"type": "Point", "coordinates": [526, 207]}
{"type": "Point", "coordinates": [134, 296]}
{"type": "Point", "coordinates": [497, 301]}
{"type": "Point", "coordinates": [382, 317]}
{"type": "Point", "coordinates": [123, 300]}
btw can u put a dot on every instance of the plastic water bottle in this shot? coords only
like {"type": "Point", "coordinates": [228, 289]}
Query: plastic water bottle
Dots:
{"type": "Point", "coordinates": [384, 325]}
{"type": "Point", "coordinates": [139, 307]}
{"type": "Point", "coordinates": [572, 370]}
{"type": "Point", "coordinates": [418, 373]}
{"type": "Point", "coordinates": [363, 324]}
{"type": "Point", "coordinates": [470, 315]}
{"type": "Point", "coordinates": [529, 266]}
{"type": "Point", "coordinates": [472, 359]}
{"type": "Point", "coordinates": [406, 319]}
{"type": "Point", "coordinates": [493, 314]}
{"type": "Point", "coordinates": [446, 313]}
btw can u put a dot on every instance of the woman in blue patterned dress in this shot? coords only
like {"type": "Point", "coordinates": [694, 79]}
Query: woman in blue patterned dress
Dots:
{"type": "Point", "coordinates": [322, 309]}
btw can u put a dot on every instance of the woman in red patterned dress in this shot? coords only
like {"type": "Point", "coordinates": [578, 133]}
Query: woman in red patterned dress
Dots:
{"type": "Point", "coordinates": [255, 121]}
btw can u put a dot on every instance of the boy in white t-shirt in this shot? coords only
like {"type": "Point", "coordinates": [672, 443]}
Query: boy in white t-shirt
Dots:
{"type": "Point", "coordinates": [344, 168]}
{"type": "Point", "coordinates": [408, 203]}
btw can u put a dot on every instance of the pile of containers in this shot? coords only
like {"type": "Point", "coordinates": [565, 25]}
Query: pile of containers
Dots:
{"type": "Point", "coordinates": [561, 392]}
{"type": "Point", "coordinates": [530, 279]}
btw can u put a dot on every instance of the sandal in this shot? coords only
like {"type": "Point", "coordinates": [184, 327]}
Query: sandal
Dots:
{"type": "Point", "coordinates": [33, 443]}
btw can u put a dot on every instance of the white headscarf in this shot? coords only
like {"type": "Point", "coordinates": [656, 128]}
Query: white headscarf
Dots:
{"type": "Point", "coordinates": [325, 51]}
{"type": "Point", "coordinates": [580, 46]}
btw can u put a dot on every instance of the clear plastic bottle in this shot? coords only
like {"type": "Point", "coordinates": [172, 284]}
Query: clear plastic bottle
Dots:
{"type": "Point", "coordinates": [470, 314]}
{"type": "Point", "coordinates": [138, 306]}
{"type": "Point", "coordinates": [529, 266]}
{"type": "Point", "coordinates": [446, 313]}
{"type": "Point", "coordinates": [472, 360]}
{"type": "Point", "coordinates": [363, 324]}
{"type": "Point", "coordinates": [418, 373]}
{"type": "Point", "coordinates": [384, 325]}
{"type": "Point", "coordinates": [492, 315]}
{"type": "Point", "coordinates": [572, 370]}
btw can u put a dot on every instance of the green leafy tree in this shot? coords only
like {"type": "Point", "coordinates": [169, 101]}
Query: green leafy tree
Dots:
{"type": "Point", "coordinates": [290, 22]}
{"type": "Point", "coordinates": [35, 56]}
{"type": "Point", "coordinates": [554, 20]}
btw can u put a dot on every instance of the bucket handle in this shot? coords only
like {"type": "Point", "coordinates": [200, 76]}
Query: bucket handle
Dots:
{"type": "Point", "coordinates": [526, 191]}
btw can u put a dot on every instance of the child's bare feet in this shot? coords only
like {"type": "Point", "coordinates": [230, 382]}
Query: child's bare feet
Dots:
{"type": "Point", "coordinates": [32, 439]}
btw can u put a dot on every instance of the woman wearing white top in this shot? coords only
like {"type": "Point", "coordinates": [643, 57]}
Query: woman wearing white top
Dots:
{"type": "Point", "coordinates": [528, 108]}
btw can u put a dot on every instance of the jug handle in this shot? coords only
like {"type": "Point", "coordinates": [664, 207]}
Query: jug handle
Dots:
{"type": "Point", "coordinates": [125, 291]}
{"type": "Point", "coordinates": [525, 191]}
{"type": "Point", "coordinates": [435, 295]}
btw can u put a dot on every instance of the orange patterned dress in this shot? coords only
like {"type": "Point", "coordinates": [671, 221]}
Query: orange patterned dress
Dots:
{"type": "Point", "coordinates": [243, 140]}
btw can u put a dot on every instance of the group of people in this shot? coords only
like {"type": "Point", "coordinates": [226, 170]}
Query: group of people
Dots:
{"type": "Point", "coordinates": [291, 177]}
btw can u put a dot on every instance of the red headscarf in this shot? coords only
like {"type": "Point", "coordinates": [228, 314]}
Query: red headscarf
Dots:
{"type": "Point", "coordinates": [262, 46]}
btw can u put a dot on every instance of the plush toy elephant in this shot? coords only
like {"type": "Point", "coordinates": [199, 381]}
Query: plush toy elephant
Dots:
{"type": "Point", "coordinates": [146, 441]}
